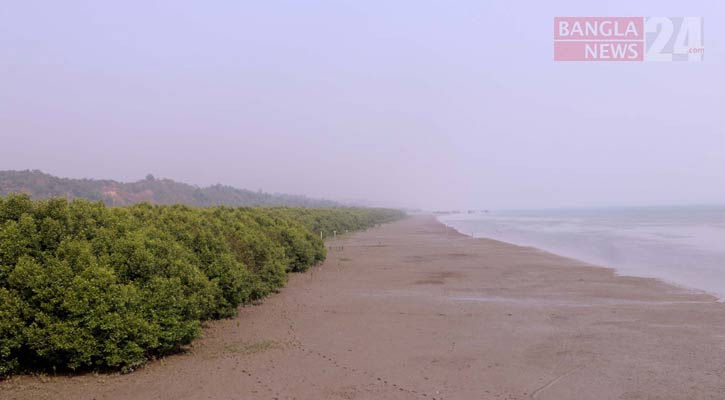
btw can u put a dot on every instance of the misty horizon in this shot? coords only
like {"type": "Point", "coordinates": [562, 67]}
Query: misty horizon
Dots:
{"type": "Point", "coordinates": [416, 105]}
{"type": "Point", "coordinates": [369, 203]}
{"type": "Point", "coordinates": [297, 199]}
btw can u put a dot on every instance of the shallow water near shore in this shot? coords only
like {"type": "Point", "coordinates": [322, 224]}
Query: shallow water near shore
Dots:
{"type": "Point", "coordinates": [680, 245]}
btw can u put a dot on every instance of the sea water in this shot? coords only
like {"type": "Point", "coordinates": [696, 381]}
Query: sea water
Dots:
{"type": "Point", "coordinates": [680, 245]}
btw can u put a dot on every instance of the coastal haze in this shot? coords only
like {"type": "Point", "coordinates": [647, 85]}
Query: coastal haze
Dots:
{"type": "Point", "coordinates": [416, 104]}
{"type": "Point", "coordinates": [206, 201]}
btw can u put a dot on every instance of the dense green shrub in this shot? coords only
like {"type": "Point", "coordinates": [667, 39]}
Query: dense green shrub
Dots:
{"type": "Point", "coordinates": [330, 220]}
{"type": "Point", "coordinates": [87, 286]}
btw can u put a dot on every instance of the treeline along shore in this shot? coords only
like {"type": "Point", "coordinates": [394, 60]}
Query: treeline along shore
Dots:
{"type": "Point", "coordinates": [87, 286]}
{"type": "Point", "coordinates": [40, 185]}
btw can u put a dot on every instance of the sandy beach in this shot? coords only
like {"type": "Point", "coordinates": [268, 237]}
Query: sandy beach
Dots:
{"type": "Point", "coordinates": [412, 310]}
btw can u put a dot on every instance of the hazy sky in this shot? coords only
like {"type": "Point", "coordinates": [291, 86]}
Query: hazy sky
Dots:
{"type": "Point", "coordinates": [435, 104]}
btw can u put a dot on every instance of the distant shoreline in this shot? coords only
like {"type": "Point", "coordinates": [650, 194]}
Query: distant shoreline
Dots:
{"type": "Point", "coordinates": [617, 271]}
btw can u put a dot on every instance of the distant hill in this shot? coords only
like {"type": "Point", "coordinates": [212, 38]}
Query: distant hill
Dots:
{"type": "Point", "coordinates": [40, 185]}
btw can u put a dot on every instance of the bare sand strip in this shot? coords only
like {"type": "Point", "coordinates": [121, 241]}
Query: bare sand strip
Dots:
{"type": "Point", "coordinates": [406, 311]}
